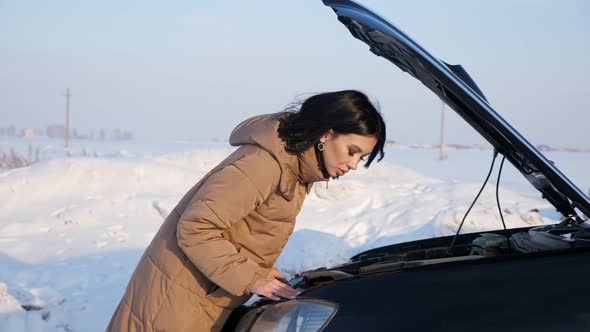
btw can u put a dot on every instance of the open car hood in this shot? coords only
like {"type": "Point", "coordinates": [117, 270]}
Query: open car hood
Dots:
{"type": "Point", "coordinates": [454, 86]}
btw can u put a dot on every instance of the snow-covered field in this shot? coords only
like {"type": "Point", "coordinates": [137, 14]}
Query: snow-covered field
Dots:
{"type": "Point", "coordinates": [73, 227]}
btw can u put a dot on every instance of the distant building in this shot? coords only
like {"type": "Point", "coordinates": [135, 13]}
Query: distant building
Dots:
{"type": "Point", "coordinates": [56, 131]}
{"type": "Point", "coordinates": [118, 134]}
{"type": "Point", "coordinates": [27, 132]}
{"type": "Point", "coordinates": [8, 131]}
{"type": "Point", "coordinates": [115, 133]}
{"type": "Point", "coordinates": [458, 147]}
{"type": "Point", "coordinates": [544, 147]}
{"type": "Point", "coordinates": [572, 149]}
{"type": "Point", "coordinates": [77, 135]}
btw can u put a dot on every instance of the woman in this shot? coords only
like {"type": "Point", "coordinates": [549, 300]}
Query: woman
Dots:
{"type": "Point", "coordinates": [219, 244]}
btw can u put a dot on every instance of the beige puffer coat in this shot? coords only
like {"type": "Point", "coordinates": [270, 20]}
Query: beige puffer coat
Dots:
{"type": "Point", "coordinates": [224, 234]}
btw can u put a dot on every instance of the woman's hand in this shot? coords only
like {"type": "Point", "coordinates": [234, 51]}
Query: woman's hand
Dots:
{"type": "Point", "coordinates": [274, 286]}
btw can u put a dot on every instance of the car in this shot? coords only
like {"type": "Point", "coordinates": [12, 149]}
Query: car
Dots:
{"type": "Point", "coordinates": [521, 279]}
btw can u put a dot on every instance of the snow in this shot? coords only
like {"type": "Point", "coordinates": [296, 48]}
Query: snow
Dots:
{"type": "Point", "coordinates": [74, 225]}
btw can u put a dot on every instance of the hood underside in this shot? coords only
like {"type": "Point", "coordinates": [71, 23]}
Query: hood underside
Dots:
{"type": "Point", "coordinates": [454, 86]}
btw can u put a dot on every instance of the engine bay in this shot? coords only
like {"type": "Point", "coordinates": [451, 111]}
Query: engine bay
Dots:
{"type": "Point", "coordinates": [469, 247]}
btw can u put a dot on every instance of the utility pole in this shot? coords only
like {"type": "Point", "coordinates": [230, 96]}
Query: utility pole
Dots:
{"type": "Point", "coordinates": [68, 95]}
{"type": "Point", "coordinates": [442, 130]}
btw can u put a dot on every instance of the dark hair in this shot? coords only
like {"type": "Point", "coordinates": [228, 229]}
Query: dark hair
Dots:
{"type": "Point", "coordinates": [345, 112]}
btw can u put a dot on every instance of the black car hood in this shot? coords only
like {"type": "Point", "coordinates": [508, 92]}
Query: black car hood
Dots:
{"type": "Point", "coordinates": [454, 86]}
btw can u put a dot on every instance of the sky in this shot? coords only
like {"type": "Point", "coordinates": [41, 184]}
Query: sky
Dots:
{"type": "Point", "coordinates": [192, 70]}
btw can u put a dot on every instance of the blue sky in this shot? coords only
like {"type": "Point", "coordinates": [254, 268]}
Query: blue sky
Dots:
{"type": "Point", "coordinates": [192, 69]}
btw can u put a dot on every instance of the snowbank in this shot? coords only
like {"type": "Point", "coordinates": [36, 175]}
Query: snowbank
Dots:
{"type": "Point", "coordinates": [72, 229]}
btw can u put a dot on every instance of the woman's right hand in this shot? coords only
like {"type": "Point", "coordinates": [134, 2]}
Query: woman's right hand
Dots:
{"type": "Point", "coordinates": [274, 286]}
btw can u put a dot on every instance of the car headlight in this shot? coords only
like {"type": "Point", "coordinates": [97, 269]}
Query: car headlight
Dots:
{"type": "Point", "coordinates": [305, 315]}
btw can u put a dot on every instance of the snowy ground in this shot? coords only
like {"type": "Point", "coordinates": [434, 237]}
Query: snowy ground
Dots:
{"type": "Point", "coordinates": [73, 228]}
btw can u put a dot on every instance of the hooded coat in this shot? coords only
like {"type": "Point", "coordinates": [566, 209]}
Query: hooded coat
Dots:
{"type": "Point", "coordinates": [224, 234]}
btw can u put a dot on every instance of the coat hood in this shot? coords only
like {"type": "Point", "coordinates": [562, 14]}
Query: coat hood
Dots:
{"type": "Point", "coordinates": [262, 130]}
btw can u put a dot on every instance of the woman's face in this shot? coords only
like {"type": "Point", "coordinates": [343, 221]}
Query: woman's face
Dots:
{"type": "Point", "coordinates": [343, 152]}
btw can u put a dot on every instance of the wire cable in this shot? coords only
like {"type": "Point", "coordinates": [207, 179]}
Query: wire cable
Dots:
{"type": "Point", "coordinates": [473, 203]}
{"type": "Point", "coordinates": [498, 201]}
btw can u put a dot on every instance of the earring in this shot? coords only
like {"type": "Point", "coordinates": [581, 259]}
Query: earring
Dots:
{"type": "Point", "coordinates": [321, 146]}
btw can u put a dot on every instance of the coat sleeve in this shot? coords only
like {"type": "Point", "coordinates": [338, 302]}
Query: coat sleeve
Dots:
{"type": "Point", "coordinates": [225, 198]}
